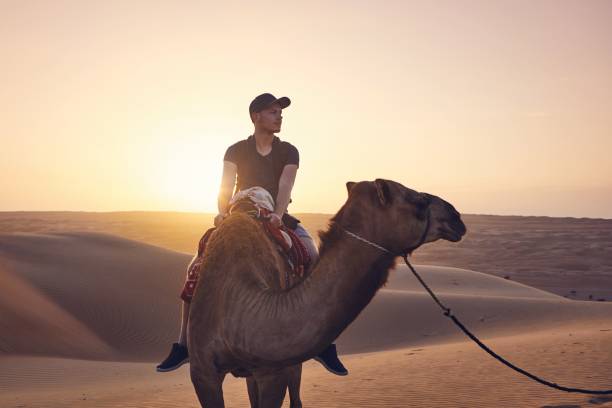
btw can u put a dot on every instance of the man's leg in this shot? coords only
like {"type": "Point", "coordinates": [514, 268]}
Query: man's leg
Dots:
{"type": "Point", "coordinates": [329, 357]}
{"type": "Point", "coordinates": [184, 320]}
{"type": "Point", "coordinates": [308, 242]}
{"type": "Point", "coordinates": [179, 354]}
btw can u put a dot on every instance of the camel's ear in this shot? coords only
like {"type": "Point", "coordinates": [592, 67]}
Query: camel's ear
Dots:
{"type": "Point", "coordinates": [383, 191]}
{"type": "Point", "coordinates": [349, 186]}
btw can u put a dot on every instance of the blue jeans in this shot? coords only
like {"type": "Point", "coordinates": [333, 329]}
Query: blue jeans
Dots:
{"type": "Point", "coordinates": [308, 242]}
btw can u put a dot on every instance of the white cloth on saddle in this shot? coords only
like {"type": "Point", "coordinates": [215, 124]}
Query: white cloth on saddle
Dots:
{"type": "Point", "coordinates": [258, 196]}
{"type": "Point", "coordinates": [261, 198]}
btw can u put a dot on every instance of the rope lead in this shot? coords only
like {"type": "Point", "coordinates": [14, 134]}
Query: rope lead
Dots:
{"type": "Point", "coordinates": [447, 313]}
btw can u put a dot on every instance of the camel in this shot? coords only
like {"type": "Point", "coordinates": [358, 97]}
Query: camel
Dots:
{"type": "Point", "coordinates": [242, 320]}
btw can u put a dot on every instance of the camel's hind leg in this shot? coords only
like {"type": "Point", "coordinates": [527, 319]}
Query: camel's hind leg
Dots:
{"type": "Point", "coordinates": [208, 388]}
{"type": "Point", "coordinates": [271, 388]}
{"type": "Point", "coordinates": [252, 390]}
{"type": "Point", "coordinates": [294, 379]}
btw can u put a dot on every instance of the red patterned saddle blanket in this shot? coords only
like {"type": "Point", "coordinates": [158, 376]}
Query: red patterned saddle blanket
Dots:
{"type": "Point", "coordinates": [296, 253]}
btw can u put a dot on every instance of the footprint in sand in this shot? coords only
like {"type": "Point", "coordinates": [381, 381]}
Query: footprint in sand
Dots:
{"type": "Point", "coordinates": [600, 400]}
{"type": "Point", "coordinates": [560, 406]}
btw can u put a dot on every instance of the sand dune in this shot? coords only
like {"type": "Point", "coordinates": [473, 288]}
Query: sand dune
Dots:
{"type": "Point", "coordinates": [567, 256]}
{"type": "Point", "coordinates": [31, 323]}
{"type": "Point", "coordinates": [94, 296]}
{"type": "Point", "coordinates": [460, 281]}
{"type": "Point", "coordinates": [403, 314]}
{"type": "Point", "coordinates": [123, 291]}
{"type": "Point", "coordinates": [126, 294]}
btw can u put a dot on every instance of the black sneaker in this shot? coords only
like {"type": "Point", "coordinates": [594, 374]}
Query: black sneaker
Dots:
{"type": "Point", "coordinates": [177, 357]}
{"type": "Point", "coordinates": [329, 359]}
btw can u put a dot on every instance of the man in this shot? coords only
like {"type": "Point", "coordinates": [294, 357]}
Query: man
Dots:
{"type": "Point", "coordinates": [266, 161]}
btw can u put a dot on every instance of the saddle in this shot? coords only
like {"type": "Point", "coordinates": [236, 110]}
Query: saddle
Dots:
{"type": "Point", "coordinates": [259, 204]}
{"type": "Point", "coordinates": [288, 243]}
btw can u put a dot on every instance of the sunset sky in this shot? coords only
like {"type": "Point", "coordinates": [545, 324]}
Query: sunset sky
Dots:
{"type": "Point", "coordinates": [500, 107]}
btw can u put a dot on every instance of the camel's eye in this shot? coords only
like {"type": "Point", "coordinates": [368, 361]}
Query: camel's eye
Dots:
{"type": "Point", "coordinates": [419, 201]}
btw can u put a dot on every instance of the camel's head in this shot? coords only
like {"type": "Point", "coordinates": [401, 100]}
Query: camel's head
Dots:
{"type": "Point", "coordinates": [400, 219]}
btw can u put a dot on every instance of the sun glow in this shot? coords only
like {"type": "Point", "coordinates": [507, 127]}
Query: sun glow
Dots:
{"type": "Point", "coordinates": [188, 181]}
{"type": "Point", "coordinates": [186, 165]}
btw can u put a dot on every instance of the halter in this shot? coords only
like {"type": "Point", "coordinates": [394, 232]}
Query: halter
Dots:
{"type": "Point", "coordinates": [402, 254]}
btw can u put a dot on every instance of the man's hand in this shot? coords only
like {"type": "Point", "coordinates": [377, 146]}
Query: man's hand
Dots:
{"type": "Point", "coordinates": [218, 219]}
{"type": "Point", "coordinates": [275, 220]}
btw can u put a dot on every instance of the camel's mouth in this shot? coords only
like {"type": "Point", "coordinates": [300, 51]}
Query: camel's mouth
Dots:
{"type": "Point", "coordinates": [454, 236]}
{"type": "Point", "coordinates": [453, 231]}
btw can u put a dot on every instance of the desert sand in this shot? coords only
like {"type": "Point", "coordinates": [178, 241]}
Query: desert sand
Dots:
{"type": "Point", "coordinates": [90, 305]}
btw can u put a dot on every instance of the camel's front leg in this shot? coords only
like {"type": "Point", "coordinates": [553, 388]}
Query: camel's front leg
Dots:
{"type": "Point", "coordinates": [208, 388]}
{"type": "Point", "coordinates": [271, 388]}
{"type": "Point", "coordinates": [294, 379]}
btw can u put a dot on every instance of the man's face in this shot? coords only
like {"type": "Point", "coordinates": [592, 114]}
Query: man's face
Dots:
{"type": "Point", "coordinates": [269, 119]}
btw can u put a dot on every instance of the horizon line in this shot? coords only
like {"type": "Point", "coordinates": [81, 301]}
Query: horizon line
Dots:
{"type": "Point", "coordinates": [294, 213]}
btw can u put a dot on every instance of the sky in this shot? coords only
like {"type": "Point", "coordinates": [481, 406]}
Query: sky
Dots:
{"type": "Point", "coordinates": [499, 107]}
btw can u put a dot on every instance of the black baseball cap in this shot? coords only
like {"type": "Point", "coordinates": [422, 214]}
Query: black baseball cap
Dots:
{"type": "Point", "coordinates": [264, 100]}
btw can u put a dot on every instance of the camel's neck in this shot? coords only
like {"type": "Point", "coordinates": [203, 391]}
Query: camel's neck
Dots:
{"type": "Point", "coordinates": [344, 281]}
{"type": "Point", "coordinates": [312, 314]}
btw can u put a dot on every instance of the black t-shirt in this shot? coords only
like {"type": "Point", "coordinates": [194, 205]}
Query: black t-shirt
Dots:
{"type": "Point", "coordinates": [257, 170]}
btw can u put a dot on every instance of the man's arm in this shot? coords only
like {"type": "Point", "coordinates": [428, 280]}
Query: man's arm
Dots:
{"type": "Point", "coordinates": [228, 182]}
{"type": "Point", "coordinates": [285, 185]}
